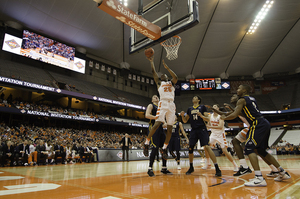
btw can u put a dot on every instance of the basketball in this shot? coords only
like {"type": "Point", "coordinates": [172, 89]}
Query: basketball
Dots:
{"type": "Point", "coordinates": [149, 52]}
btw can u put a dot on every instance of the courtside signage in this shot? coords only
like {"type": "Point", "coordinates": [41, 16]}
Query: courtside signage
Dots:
{"type": "Point", "coordinates": [130, 18]}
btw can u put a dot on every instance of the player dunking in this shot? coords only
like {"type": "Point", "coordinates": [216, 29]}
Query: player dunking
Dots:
{"type": "Point", "coordinates": [198, 132]}
{"type": "Point", "coordinates": [174, 144]}
{"type": "Point", "coordinates": [157, 139]}
{"type": "Point", "coordinates": [216, 124]}
{"type": "Point", "coordinates": [257, 137]}
{"type": "Point", "coordinates": [166, 106]}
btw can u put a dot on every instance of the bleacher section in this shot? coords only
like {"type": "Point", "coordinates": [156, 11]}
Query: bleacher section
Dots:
{"type": "Point", "coordinates": [283, 95]}
{"type": "Point", "coordinates": [24, 72]}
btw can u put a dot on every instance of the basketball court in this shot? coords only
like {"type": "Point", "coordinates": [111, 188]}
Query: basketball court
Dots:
{"type": "Point", "coordinates": [130, 180]}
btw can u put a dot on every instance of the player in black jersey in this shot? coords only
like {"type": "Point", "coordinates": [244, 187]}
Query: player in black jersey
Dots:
{"type": "Point", "coordinates": [198, 132]}
{"type": "Point", "coordinates": [157, 140]}
{"type": "Point", "coordinates": [257, 136]}
{"type": "Point", "coordinates": [174, 144]}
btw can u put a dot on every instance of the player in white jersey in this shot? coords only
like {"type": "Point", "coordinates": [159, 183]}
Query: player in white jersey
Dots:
{"type": "Point", "coordinates": [216, 124]}
{"type": "Point", "coordinates": [166, 106]}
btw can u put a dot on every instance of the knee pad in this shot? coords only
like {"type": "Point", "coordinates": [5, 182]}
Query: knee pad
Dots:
{"type": "Point", "coordinates": [191, 149]}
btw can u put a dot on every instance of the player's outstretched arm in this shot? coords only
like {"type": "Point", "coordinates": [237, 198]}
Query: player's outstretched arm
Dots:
{"type": "Point", "coordinates": [154, 73]}
{"type": "Point", "coordinates": [183, 132]}
{"type": "Point", "coordinates": [174, 76]}
{"type": "Point", "coordinates": [218, 111]}
{"type": "Point", "coordinates": [238, 109]}
{"type": "Point", "coordinates": [185, 118]}
{"type": "Point", "coordinates": [205, 118]}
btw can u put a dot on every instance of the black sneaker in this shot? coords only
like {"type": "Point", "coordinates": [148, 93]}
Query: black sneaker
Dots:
{"type": "Point", "coordinates": [164, 154]}
{"type": "Point", "coordinates": [242, 171]}
{"type": "Point", "coordinates": [273, 174]}
{"type": "Point", "coordinates": [150, 173]}
{"type": "Point", "coordinates": [190, 171]}
{"type": "Point", "coordinates": [166, 171]}
{"type": "Point", "coordinates": [218, 173]}
{"type": "Point", "coordinates": [146, 150]}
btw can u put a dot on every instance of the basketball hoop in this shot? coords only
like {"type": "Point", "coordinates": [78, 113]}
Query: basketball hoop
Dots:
{"type": "Point", "coordinates": [171, 45]}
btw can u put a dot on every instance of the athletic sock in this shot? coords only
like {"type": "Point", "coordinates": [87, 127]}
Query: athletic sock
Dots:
{"type": "Point", "coordinates": [150, 168]}
{"type": "Point", "coordinates": [207, 161]}
{"type": "Point", "coordinates": [258, 173]}
{"type": "Point", "coordinates": [274, 169]}
{"type": "Point", "coordinates": [217, 166]}
{"type": "Point", "coordinates": [243, 163]}
{"type": "Point", "coordinates": [147, 141]}
{"type": "Point", "coordinates": [164, 168]}
{"type": "Point", "coordinates": [165, 146]}
{"type": "Point", "coordinates": [280, 169]}
{"type": "Point", "coordinates": [234, 163]}
{"type": "Point", "coordinates": [191, 165]}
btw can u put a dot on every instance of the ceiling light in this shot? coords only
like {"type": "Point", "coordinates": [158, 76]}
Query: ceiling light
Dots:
{"type": "Point", "coordinates": [125, 4]}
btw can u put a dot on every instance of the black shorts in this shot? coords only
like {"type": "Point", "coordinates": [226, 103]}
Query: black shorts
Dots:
{"type": "Point", "coordinates": [174, 144]}
{"type": "Point", "coordinates": [158, 139]}
{"type": "Point", "coordinates": [199, 134]}
{"type": "Point", "coordinates": [258, 135]}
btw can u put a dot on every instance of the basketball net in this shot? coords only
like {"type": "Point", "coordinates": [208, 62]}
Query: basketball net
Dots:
{"type": "Point", "coordinates": [171, 45]}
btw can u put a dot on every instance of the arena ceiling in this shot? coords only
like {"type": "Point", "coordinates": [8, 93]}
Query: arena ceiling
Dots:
{"type": "Point", "coordinates": [218, 44]}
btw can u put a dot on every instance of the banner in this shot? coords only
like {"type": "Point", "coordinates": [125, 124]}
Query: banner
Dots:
{"type": "Point", "coordinates": [269, 86]}
{"type": "Point", "coordinates": [66, 92]}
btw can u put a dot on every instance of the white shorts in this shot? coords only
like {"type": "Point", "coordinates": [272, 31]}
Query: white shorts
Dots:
{"type": "Point", "coordinates": [221, 140]}
{"type": "Point", "coordinates": [242, 135]}
{"type": "Point", "coordinates": [166, 111]}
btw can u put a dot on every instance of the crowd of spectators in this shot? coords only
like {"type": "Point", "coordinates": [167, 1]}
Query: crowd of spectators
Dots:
{"type": "Point", "coordinates": [66, 143]}
{"type": "Point", "coordinates": [287, 149]}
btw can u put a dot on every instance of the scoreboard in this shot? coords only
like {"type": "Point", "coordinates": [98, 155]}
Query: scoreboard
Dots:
{"type": "Point", "coordinates": [205, 84]}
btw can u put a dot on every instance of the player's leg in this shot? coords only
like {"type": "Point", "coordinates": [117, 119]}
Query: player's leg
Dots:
{"type": "Point", "coordinates": [192, 142]}
{"type": "Point", "coordinates": [170, 118]}
{"type": "Point", "coordinates": [251, 150]}
{"type": "Point", "coordinates": [178, 160]}
{"type": "Point", "coordinates": [151, 133]}
{"type": "Point", "coordinates": [164, 169]}
{"type": "Point", "coordinates": [204, 139]}
{"type": "Point", "coordinates": [153, 153]}
{"type": "Point", "coordinates": [212, 142]}
{"type": "Point", "coordinates": [241, 138]}
{"type": "Point", "coordinates": [223, 143]}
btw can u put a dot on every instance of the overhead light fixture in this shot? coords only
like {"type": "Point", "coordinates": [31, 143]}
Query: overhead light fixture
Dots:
{"type": "Point", "coordinates": [261, 15]}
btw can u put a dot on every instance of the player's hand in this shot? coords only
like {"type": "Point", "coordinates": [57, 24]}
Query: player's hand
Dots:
{"type": "Point", "coordinates": [182, 113]}
{"type": "Point", "coordinates": [165, 65]}
{"type": "Point", "coordinates": [199, 114]}
{"type": "Point", "coordinates": [222, 117]}
{"type": "Point", "coordinates": [227, 105]}
{"type": "Point", "coordinates": [187, 141]}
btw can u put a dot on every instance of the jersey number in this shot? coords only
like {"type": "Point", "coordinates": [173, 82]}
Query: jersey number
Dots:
{"type": "Point", "coordinates": [167, 89]}
{"type": "Point", "coordinates": [195, 117]}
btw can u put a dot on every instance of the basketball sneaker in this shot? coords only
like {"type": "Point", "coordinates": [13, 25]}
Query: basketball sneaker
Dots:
{"type": "Point", "coordinates": [273, 174]}
{"type": "Point", "coordinates": [179, 168]}
{"type": "Point", "coordinates": [166, 171]}
{"type": "Point", "coordinates": [190, 171]}
{"type": "Point", "coordinates": [218, 173]}
{"type": "Point", "coordinates": [146, 150]}
{"type": "Point", "coordinates": [150, 173]}
{"type": "Point", "coordinates": [282, 176]}
{"type": "Point", "coordinates": [242, 171]}
{"type": "Point", "coordinates": [164, 154]}
{"type": "Point", "coordinates": [256, 182]}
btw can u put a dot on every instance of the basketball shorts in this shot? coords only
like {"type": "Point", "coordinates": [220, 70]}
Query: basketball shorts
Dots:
{"type": "Point", "coordinates": [258, 135]}
{"type": "Point", "coordinates": [200, 134]}
{"type": "Point", "coordinates": [166, 111]}
{"type": "Point", "coordinates": [158, 139]}
{"type": "Point", "coordinates": [242, 135]}
{"type": "Point", "coordinates": [220, 139]}
{"type": "Point", "coordinates": [174, 144]}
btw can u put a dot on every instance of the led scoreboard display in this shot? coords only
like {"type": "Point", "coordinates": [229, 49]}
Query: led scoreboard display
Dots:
{"type": "Point", "coordinates": [205, 84]}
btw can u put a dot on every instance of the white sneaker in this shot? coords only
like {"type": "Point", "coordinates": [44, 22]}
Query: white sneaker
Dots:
{"type": "Point", "coordinates": [273, 174]}
{"type": "Point", "coordinates": [202, 160]}
{"type": "Point", "coordinates": [25, 164]}
{"type": "Point", "coordinates": [256, 182]}
{"type": "Point", "coordinates": [179, 168]}
{"type": "Point", "coordinates": [282, 176]}
{"type": "Point", "coordinates": [207, 166]}
{"type": "Point", "coordinates": [236, 169]}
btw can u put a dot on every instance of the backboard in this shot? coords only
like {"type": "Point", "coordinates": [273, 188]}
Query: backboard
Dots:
{"type": "Point", "coordinates": [173, 16]}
